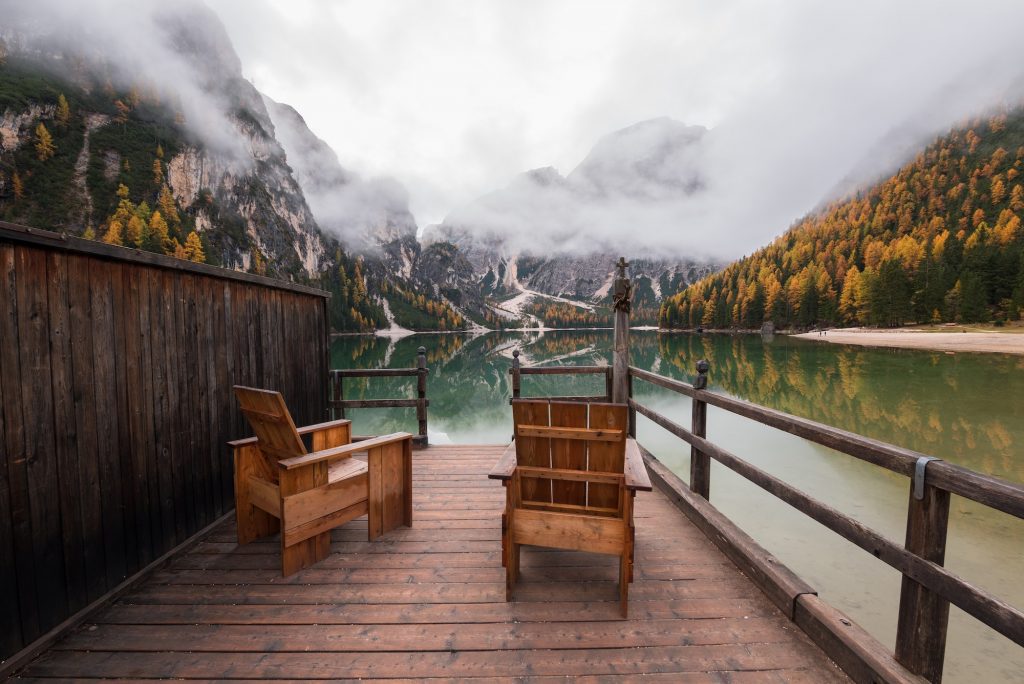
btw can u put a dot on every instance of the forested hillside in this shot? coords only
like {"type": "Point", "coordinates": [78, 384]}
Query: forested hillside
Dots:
{"type": "Point", "coordinates": [938, 241]}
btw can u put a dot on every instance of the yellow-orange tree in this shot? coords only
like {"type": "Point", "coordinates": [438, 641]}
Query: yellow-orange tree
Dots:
{"type": "Point", "coordinates": [939, 240]}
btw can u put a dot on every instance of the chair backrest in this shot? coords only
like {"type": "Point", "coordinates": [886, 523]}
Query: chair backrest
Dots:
{"type": "Point", "coordinates": [270, 420]}
{"type": "Point", "coordinates": [592, 438]}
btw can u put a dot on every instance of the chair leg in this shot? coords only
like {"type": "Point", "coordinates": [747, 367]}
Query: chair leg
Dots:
{"type": "Point", "coordinates": [624, 583]}
{"type": "Point", "coordinates": [631, 550]}
{"type": "Point", "coordinates": [504, 540]}
{"type": "Point", "coordinates": [304, 553]}
{"type": "Point", "coordinates": [511, 569]}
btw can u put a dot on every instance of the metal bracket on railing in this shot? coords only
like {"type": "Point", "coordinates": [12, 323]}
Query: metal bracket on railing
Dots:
{"type": "Point", "coordinates": [919, 468]}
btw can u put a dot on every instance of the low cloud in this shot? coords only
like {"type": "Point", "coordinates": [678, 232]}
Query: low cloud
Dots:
{"type": "Point", "coordinates": [178, 51]}
{"type": "Point", "coordinates": [455, 98]}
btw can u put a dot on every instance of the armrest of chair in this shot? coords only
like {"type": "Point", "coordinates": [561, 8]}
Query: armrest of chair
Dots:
{"type": "Point", "coordinates": [635, 470]}
{"type": "Point", "coordinates": [307, 430]}
{"type": "Point", "coordinates": [341, 451]}
{"type": "Point", "coordinates": [506, 465]}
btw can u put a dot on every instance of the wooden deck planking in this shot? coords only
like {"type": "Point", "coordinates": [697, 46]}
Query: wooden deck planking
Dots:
{"type": "Point", "coordinates": [428, 602]}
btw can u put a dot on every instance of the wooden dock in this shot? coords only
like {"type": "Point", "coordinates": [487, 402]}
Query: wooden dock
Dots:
{"type": "Point", "coordinates": [428, 602]}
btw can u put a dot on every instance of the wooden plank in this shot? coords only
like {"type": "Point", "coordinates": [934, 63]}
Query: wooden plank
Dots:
{"type": "Point", "coordinates": [303, 507]}
{"type": "Point", "coordinates": [496, 663]}
{"type": "Point", "coordinates": [39, 453]}
{"type": "Point", "coordinates": [568, 453]}
{"type": "Point", "coordinates": [637, 478]}
{"type": "Point", "coordinates": [264, 495]}
{"type": "Point", "coordinates": [392, 458]}
{"type": "Point", "coordinates": [559, 635]}
{"type": "Point", "coordinates": [568, 531]}
{"type": "Point", "coordinates": [532, 451]}
{"type": "Point", "coordinates": [859, 654]}
{"type": "Point", "coordinates": [324, 524]}
{"type": "Point", "coordinates": [450, 613]}
{"type": "Point", "coordinates": [563, 370]}
{"type": "Point", "coordinates": [584, 434]}
{"type": "Point", "coordinates": [172, 416]}
{"type": "Point", "coordinates": [86, 428]}
{"type": "Point", "coordinates": [94, 248]}
{"type": "Point", "coordinates": [506, 464]}
{"type": "Point", "coordinates": [23, 561]}
{"type": "Point", "coordinates": [62, 379]}
{"type": "Point", "coordinates": [10, 618]}
{"type": "Point", "coordinates": [161, 410]}
{"type": "Point", "coordinates": [104, 349]}
{"type": "Point", "coordinates": [605, 456]}
{"type": "Point", "coordinates": [334, 453]}
{"type": "Point", "coordinates": [252, 522]}
{"type": "Point", "coordinates": [119, 405]}
{"type": "Point", "coordinates": [374, 372]}
{"type": "Point", "coordinates": [135, 431]}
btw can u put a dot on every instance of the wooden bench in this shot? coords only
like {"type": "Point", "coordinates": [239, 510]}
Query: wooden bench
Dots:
{"type": "Point", "coordinates": [280, 487]}
{"type": "Point", "coordinates": [571, 475]}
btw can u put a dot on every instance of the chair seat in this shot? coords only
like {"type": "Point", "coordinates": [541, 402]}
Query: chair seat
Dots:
{"type": "Point", "coordinates": [345, 468]}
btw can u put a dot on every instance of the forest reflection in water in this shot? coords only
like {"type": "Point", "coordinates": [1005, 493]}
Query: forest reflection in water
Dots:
{"type": "Point", "coordinates": [964, 408]}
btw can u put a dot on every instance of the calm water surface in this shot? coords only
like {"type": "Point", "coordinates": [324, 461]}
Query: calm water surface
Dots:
{"type": "Point", "coordinates": [964, 408]}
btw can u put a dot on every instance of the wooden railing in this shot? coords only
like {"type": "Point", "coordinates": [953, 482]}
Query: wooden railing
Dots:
{"type": "Point", "coordinates": [928, 588]}
{"type": "Point", "coordinates": [338, 404]}
{"type": "Point", "coordinates": [517, 371]}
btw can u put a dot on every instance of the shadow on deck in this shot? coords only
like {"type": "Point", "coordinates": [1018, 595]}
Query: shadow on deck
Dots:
{"type": "Point", "coordinates": [429, 602]}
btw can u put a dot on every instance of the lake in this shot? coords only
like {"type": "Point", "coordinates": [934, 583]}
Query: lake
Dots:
{"type": "Point", "coordinates": [964, 408]}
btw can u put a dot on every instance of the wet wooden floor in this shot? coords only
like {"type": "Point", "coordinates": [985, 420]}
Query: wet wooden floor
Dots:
{"type": "Point", "coordinates": [429, 602]}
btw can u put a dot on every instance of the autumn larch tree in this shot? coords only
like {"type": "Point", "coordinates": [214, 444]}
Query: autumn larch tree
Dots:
{"type": "Point", "coordinates": [18, 187]}
{"type": "Point", "coordinates": [63, 114]}
{"type": "Point", "coordinates": [44, 143]}
{"type": "Point", "coordinates": [194, 248]}
{"type": "Point", "coordinates": [114, 234]}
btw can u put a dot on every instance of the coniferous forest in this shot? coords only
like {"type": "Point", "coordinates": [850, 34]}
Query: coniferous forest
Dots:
{"type": "Point", "coordinates": [938, 241]}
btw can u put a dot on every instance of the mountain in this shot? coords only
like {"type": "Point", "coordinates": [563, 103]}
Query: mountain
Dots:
{"type": "Point", "coordinates": [939, 240]}
{"type": "Point", "coordinates": [205, 168]}
{"type": "Point", "coordinates": [547, 236]}
{"type": "Point", "coordinates": [143, 132]}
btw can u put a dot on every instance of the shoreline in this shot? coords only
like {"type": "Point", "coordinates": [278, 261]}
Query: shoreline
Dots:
{"type": "Point", "coordinates": [948, 342]}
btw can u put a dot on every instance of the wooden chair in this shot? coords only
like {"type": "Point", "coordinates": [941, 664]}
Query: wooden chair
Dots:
{"type": "Point", "coordinates": [279, 486]}
{"type": "Point", "coordinates": [571, 475]}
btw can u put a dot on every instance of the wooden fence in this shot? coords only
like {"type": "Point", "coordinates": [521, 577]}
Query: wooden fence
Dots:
{"type": "Point", "coordinates": [928, 588]}
{"type": "Point", "coordinates": [338, 404]}
{"type": "Point", "coordinates": [116, 369]}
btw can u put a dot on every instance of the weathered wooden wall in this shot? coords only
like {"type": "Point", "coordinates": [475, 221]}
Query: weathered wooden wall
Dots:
{"type": "Point", "coordinates": [115, 405]}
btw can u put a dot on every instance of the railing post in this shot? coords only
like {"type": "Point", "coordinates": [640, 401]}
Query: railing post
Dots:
{"type": "Point", "coordinates": [337, 394]}
{"type": "Point", "coordinates": [421, 392]}
{"type": "Point", "coordinates": [924, 615]}
{"type": "Point", "coordinates": [632, 411]}
{"type": "Point", "coordinates": [516, 376]}
{"type": "Point", "coordinates": [621, 300]}
{"type": "Point", "coordinates": [700, 463]}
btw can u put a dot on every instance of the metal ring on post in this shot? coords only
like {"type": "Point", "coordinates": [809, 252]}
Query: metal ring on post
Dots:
{"type": "Point", "coordinates": [919, 468]}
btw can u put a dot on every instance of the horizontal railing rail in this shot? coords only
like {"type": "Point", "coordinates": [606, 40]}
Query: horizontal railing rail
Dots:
{"type": "Point", "coordinates": [517, 371]}
{"type": "Point", "coordinates": [928, 587]}
{"type": "Point", "coordinates": [338, 404]}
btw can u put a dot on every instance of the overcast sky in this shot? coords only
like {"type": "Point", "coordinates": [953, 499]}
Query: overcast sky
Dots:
{"type": "Point", "coordinates": [454, 97]}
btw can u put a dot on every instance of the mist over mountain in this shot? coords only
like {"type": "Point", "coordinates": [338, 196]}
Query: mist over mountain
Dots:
{"type": "Point", "coordinates": [635, 182]}
{"type": "Point", "coordinates": [364, 214]}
